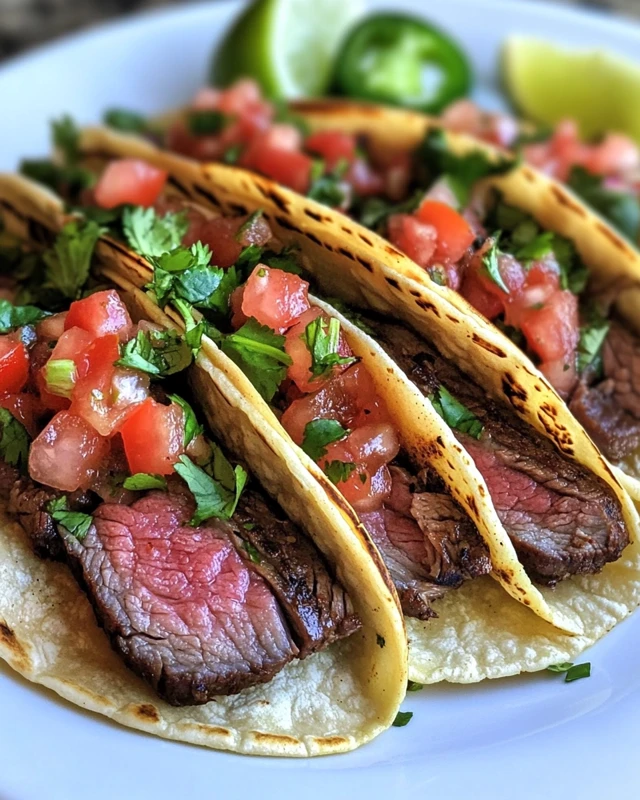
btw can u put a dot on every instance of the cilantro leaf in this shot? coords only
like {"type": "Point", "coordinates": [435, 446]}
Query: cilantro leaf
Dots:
{"type": "Point", "coordinates": [592, 336]}
{"type": "Point", "coordinates": [573, 672]}
{"type": "Point", "coordinates": [69, 260]}
{"type": "Point", "coordinates": [462, 171]}
{"type": "Point", "coordinates": [621, 208]}
{"type": "Point", "coordinates": [456, 415]}
{"type": "Point", "coordinates": [206, 121]}
{"type": "Point", "coordinates": [142, 481]}
{"type": "Point", "coordinates": [14, 441]}
{"type": "Point", "coordinates": [319, 433]}
{"type": "Point", "coordinates": [216, 490]}
{"type": "Point", "coordinates": [374, 211]}
{"type": "Point", "coordinates": [491, 263]}
{"type": "Point", "coordinates": [122, 119]}
{"type": "Point", "coordinates": [191, 426]}
{"type": "Point", "coordinates": [338, 471]}
{"type": "Point", "coordinates": [412, 686]}
{"type": "Point", "coordinates": [193, 332]}
{"type": "Point", "coordinates": [159, 353]}
{"type": "Point", "coordinates": [75, 522]}
{"type": "Point", "coordinates": [12, 317]}
{"type": "Point", "coordinates": [538, 247]}
{"type": "Point", "coordinates": [150, 234]}
{"type": "Point", "coordinates": [329, 189]}
{"type": "Point", "coordinates": [402, 718]}
{"type": "Point", "coordinates": [251, 551]}
{"type": "Point", "coordinates": [322, 338]}
{"type": "Point", "coordinates": [260, 354]}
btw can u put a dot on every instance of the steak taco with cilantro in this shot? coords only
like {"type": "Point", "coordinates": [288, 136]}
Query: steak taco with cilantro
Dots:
{"type": "Point", "coordinates": [157, 564]}
{"type": "Point", "coordinates": [457, 457]}
{"type": "Point", "coordinates": [516, 244]}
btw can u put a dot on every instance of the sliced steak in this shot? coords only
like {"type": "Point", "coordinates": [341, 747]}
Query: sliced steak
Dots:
{"type": "Point", "coordinates": [428, 544]}
{"type": "Point", "coordinates": [317, 608]}
{"type": "Point", "coordinates": [29, 500]}
{"type": "Point", "coordinates": [561, 518]}
{"type": "Point", "coordinates": [609, 407]}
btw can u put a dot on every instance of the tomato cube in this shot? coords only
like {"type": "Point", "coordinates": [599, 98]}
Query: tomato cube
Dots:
{"type": "Point", "coordinates": [153, 437]}
{"type": "Point", "coordinates": [129, 180]}
{"type": "Point", "coordinates": [100, 314]}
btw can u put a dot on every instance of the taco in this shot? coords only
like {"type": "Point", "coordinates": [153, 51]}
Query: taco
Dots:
{"type": "Point", "coordinates": [245, 612]}
{"type": "Point", "coordinates": [514, 243]}
{"type": "Point", "coordinates": [443, 475]}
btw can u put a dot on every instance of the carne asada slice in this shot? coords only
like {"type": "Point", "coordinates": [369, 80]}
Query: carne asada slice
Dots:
{"type": "Point", "coordinates": [608, 404]}
{"type": "Point", "coordinates": [561, 519]}
{"type": "Point", "coordinates": [428, 544]}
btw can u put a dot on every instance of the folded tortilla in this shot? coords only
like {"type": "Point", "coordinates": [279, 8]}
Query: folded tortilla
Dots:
{"type": "Point", "coordinates": [330, 702]}
{"type": "Point", "coordinates": [480, 632]}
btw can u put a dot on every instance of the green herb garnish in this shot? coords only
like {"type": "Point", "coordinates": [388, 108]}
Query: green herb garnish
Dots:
{"type": "Point", "coordinates": [251, 551]}
{"type": "Point", "coordinates": [69, 260]}
{"type": "Point", "coordinates": [216, 488]}
{"type": "Point", "coordinates": [402, 719]}
{"type": "Point", "coordinates": [621, 208]}
{"type": "Point", "coordinates": [12, 317]}
{"type": "Point", "coordinates": [338, 471]}
{"type": "Point", "coordinates": [142, 481]}
{"type": "Point", "coordinates": [150, 234]}
{"type": "Point", "coordinates": [192, 427]}
{"type": "Point", "coordinates": [159, 353]}
{"type": "Point", "coordinates": [322, 338]}
{"type": "Point", "coordinates": [319, 433]}
{"type": "Point", "coordinates": [573, 672]}
{"type": "Point", "coordinates": [14, 441]}
{"type": "Point", "coordinates": [206, 121]}
{"type": "Point", "coordinates": [124, 120]}
{"type": "Point", "coordinates": [456, 415]}
{"type": "Point", "coordinates": [491, 263]}
{"type": "Point", "coordinates": [75, 522]}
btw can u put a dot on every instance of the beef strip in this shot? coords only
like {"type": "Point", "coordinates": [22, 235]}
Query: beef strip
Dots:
{"type": "Point", "coordinates": [428, 544]}
{"type": "Point", "coordinates": [609, 407]}
{"type": "Point", "coordinates": [561, 519]}
{"type": "Point", "coordinates": [189, 610]}
{"type": "Point", "coordinates": [317, 608]}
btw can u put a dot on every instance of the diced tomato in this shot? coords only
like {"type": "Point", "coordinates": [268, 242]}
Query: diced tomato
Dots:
{"type": "Point", "coordinates": [74, 345]}
{"type": "Point", "coordinates": [350, 398]}
{"type": "Point", "coordinates": [561, 374]}
{"type": "Point", "coordinates": [51, 328]}
{"type": "Point", "coordinates": [482, 291]}
{"type": "Point", "coordinates": [364, 490]}
{"type": "Point", "coordinates": [274, 297]}
{"type": "Point", "coordinates": [23, 407]}
{"type": "Point", "coordinates": [300, 370]}
{"type": "Point", "coordinates": [219, 234]}
{"type": "Point", "coordinates": [552, 332]}
{"type": "Point", "coordinates": [615, 155]}
{"type": "Point", "coordinates": [291, 168]}
{"type": "Point", "coordinates": [542, 281]}
{"type": "Point", "coordinates": [413, 237]}
{"type": "Point", "coordinates": [107, 395]}
{"type": "Point", "coordinates": [14, 365]}
{"type": "Point", "coordinates": [241, 95]}
{"type": "Point", "coordinates": [474, 291]}
{"type": "Point", "coordinates": [129, 180]}
{"type": "Point", "coordinates": [179, 139]}
{"type": "Point", "coordinates": [454, 234]}
{"type": "Point", "coordinates": [364, 179]}
{"type": "Point", "coordinates": [67, 454]}
{"type": "Point", "coordinates": [100, 314]}
{"type": "Point", "coordinates": [333, 146]}
{"type": "Point", "coordinates": [238, 318]}
{"type": "Point", "coordinates": [397, 177]}
{"type": "Point", "coordinates": [153, 437]}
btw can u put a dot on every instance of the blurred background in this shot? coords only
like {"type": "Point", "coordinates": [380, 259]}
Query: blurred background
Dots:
{"type": "Point", "coordinates": [25, 23]}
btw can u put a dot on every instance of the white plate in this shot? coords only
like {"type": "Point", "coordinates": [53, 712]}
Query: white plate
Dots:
{"type": "Point", "coordinates": [528, 737]}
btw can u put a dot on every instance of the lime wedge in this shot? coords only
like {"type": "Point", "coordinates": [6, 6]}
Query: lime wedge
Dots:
{"type": "Point", "coordinates": [547, 83]}
{"type": "Point", "coordinates": [286, 45]}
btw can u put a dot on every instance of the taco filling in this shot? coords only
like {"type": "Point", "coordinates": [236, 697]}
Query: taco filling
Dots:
{"type": "Point", "coordinates": [431, 205]}
{"type": "Point", "coordinates": [231, 280]}
{"type": "Point", "coordinates": [201, 582]}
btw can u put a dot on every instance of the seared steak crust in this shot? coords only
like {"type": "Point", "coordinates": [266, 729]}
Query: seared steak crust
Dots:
{"type": "Point", "coordinates": [561, 519]}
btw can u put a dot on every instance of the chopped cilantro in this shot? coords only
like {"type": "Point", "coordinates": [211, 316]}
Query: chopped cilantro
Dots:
{"type": "Point", "coordinates": [412, 686]}
{"type": "Point", "coordinates": [150, 234]}
{"type": "Point", "coordinates": [124, 120]}
{"type": "Point", "coordinates": [338, 471]}
{"type": "Point", "coordinates": [455, 414]}
{"type": "Point", "coordinates": [192, 428]}
{"type": "Point", "coordinates": [216, 488]}
{"type": "Point", "coordinates": [592, 336]}
{"type": "Point", "coordinates": [251, 551]}
{"type": "Point", "coordinates": [69, 260]}
{"type": "Point", "coordinates": [374, 211]}
{"type": "Point", "coordinates": [319, 433]}
{"type": "Point", "coordinates": [462, 172]}
{"type": "Point", "coordinates": [206, 121]}
{"type": "Point", "coordinates": [260, 354]}
{"type": "Point", "coordinates": [491, 263]}
{"type": "Point", "coordinates": [142, 481]}
{"type": "Point", "coordinates": [621, 208]}
{"type": "Point", "coordinates": [232, 154]}
{"type": "Point", "coordinates": [14, 441]}
{"type": "Point", "coordinates": [573, 672]}
{"type": "Point", "coordinates": [75, 522]}
{"type": "Point", "coordinates": [159, 353]}
{"type": "Point", "coordinates": [402, 719]}
{"type": "Point", "coordinates": [322, 338]}
{"type": "Point", "coordinates": [66, 138]}
{"type": "Point", "coordinates": [12, 317]}
{"type": "Point", "coordinates": [538, 247]}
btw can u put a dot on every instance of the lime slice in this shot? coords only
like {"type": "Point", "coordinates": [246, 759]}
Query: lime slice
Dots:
{"type": "Point", "coordinates": [547, 83]}
{"type": "Point", "coordinates": [286, 45]}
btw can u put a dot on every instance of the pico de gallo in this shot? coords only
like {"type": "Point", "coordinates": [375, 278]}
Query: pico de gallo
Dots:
{"type": "Point", "coordinates": [81, 403]}
{"type": "Point", "coordinates": [605, 173]}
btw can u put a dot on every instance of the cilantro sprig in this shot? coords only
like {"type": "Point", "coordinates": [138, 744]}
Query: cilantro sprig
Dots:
{"type": "Point", "coordinates": [158, 353]}
{"type": "Point", "coordinates": [319, 433]}
{"type": "Point", "coordinates": [151, 234]}
{"type": "Point", "coordinates": [12, 317]}
{"type": "Point", "coordinates": [322, 338]}
{"type": "Point", "coordinates": [455, 414]}
{"type": "Point", "coordinates": [69, 260]}
{"type": "Point", "coordinates": [75, 522]}
{"type": "Point", "coordinates": [14, 441]}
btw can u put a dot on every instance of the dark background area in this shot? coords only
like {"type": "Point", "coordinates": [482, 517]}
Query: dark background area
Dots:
{"type": "Point", "coordinates": [25, 23]}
